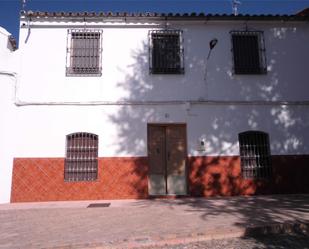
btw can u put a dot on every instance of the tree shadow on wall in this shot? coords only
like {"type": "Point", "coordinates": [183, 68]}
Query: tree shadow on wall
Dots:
{"type": "Point", "coordinates": [220, 176]}
{"type": "Point", "coordinates": [206, 174]}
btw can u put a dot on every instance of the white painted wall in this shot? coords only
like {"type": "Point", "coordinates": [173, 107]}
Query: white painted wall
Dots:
{"type": "Point", "coordinates": [6, 53]}
{"type": "Point", "coordinates": [125, 74]}
{"type": "Point", "coordinates": [122, 130]}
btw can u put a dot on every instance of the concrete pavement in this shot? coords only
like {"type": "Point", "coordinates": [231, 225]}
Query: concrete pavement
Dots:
{"type": "Point", "coordinates": [139, 223]}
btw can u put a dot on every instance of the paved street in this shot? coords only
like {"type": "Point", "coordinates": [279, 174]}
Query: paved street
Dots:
{"type": "Point", "coordinates": [136, 223]}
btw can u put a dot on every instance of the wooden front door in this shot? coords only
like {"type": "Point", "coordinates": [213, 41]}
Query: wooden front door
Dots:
{"type": "Point", "coordinates": [167, 159]}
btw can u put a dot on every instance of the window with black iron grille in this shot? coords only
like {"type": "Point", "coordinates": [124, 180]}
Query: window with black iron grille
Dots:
{"type": "Point", "coordinates": [166, 52]}
{"type": "Point", "coordinates": [81, 162]}
{"type": "Point", "coordinates": [255, 154]}
{"type": "Point", "coordinates": [248, 52]}
{"type": "Point", "coordinates": [84, 53]}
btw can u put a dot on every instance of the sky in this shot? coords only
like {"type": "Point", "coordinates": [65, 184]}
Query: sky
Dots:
{"type": "Point", "coordinates": [9, 9]}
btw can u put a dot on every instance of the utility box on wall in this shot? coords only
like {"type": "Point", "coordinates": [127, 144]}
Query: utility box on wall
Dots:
{"type": "Point", "coordinates": [201, 145]}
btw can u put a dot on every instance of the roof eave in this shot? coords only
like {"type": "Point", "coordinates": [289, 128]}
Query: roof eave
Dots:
{"type": "Point", "coordinates": [162, 16]}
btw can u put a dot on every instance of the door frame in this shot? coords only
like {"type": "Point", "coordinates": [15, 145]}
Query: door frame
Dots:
{"type": "Point", "coordinates": [186, 154]}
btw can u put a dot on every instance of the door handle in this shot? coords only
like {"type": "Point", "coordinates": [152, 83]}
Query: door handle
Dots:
{"type": "Point", "coordinates": [168, 155]}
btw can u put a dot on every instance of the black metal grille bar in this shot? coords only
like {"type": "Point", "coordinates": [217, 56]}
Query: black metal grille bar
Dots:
{"type": "Point", "coordinates": [248, 52]}
{"type": "Point", "coordinates": [255, 154]}
{"type": "Point", "coordinates": [166, 52]}
{"type": "Point", "coordinates": [84, 52]}
{"type": "Point", "coordinates": [81, 163]}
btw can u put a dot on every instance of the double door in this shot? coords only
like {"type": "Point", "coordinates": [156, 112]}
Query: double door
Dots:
{"type": "Point", "coordinates": [167, 159]}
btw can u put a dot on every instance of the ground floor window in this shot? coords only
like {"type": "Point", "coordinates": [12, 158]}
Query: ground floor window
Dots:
{"type": "Point", "coordinates": [255, 154]}
{"type": "Point", "coordinates": [81, 162]}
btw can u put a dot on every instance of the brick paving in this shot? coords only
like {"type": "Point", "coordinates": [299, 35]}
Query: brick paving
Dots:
{"type": "Point", "coordinates": [132, 224]}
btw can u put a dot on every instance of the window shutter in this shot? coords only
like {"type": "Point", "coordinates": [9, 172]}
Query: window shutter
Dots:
{"type": "Point", "coordinates": [84, 53]}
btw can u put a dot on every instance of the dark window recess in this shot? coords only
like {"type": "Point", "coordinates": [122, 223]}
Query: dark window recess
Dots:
{"type": "Point", "coordinates": [81, 162]}
{"type": "Point", "coordinates": [255, 154]}
{"type": "Point", "coordinates": [84, 53]}
{"type": "Point", "coordinates": [248, 52]}
{"type": "Point", "coordinates": [166, 52]}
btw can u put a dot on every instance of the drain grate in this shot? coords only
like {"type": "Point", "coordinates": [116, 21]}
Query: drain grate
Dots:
{"type": "Point", "coordinates": [97, 205]}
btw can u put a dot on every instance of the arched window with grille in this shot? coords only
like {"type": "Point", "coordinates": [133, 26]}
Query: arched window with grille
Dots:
{"type": "Point", "coordinates": [81, 162]}
{"type": "Point", "coordinates": [255, 154]}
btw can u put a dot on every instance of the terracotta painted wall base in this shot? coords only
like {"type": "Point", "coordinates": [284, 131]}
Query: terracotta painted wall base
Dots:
{"type": "Point", "coordinates": [42, 179]}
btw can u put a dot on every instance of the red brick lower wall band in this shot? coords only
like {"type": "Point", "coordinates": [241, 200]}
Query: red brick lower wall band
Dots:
{"type": "Point", "coordinates": [42, 179]}
{"type": "Point", "coordinates": [213, 176]}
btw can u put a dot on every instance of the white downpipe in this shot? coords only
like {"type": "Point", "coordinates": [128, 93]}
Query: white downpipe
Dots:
{"type": "Point", "coordinates": [159, 102]}
{"type": "Point", "coordinates": [19, 102]}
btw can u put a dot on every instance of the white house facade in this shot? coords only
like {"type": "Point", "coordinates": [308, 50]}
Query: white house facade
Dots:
{"type": "Point", "coordinates": [110, 106]}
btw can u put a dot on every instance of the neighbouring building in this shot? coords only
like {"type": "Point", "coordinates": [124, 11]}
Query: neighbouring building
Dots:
{"type": "Point", "coordinates": [121, 105]}
{"type": "Point", "coordinates": [8, 78]}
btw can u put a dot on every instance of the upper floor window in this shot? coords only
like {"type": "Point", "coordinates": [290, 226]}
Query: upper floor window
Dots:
{"type": "Point", "coordinates": [84, 53]}
{"type": "Point", "coordinates": [248, 52]}
{"type": "Point", "coordinates": [166, 52]}
{"type": "Point", "coordinates": [81, 162]}
{"type": "Point", "coordinates": [255, 154]}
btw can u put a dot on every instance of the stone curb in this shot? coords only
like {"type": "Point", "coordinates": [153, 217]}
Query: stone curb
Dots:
{"type": "Point", "coordinates": [279, 228]}
{"type": "Point", "coordinates": [174, 239]}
